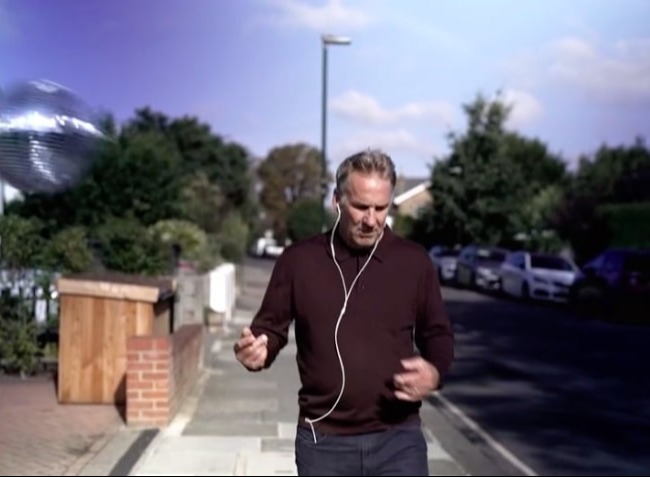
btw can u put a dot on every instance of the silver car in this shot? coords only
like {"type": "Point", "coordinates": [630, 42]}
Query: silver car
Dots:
{"type": "Point", "coordinates": [445, 259]}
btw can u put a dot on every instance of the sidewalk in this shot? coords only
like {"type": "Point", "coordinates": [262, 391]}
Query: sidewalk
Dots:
{"type": "Point", "coordinates": [40, 436]}
{"type": "Point", "coordinates": [240, 423]}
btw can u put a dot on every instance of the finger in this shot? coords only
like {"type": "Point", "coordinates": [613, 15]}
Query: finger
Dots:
{"type": "Point", "coordinates": [256, 360]}
{"type": "Point", "coordinates": [414, 363]}
{"type": "Point", "coordinates": [260, 356]}
{"type": "Point", "coordinates": [406, 379]}
{"type": "Point", "coordinates": [260, 342]}
{"type": "Point", "coordinates": [258, 345]}
{"type": "Point", "coordinates": [404, 396]}
{"type": "Point", "coordinates": [243, 343]}
{"type": "Point", "coordinates": [249, 339]}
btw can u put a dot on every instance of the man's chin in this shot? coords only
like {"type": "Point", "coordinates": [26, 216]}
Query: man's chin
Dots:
{"type": "Point", "coordinates": [365, 240]}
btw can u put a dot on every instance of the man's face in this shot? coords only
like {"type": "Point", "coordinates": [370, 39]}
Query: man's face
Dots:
{"type": "Point", "coordinates": [364, 208]}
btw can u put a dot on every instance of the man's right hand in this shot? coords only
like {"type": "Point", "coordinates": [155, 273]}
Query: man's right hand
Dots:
{"type": "Point", "coordinates": [251, 351]}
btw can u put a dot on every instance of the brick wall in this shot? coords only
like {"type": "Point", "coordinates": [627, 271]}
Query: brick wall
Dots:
{"type": "Point", "coordinates": [161, 371]}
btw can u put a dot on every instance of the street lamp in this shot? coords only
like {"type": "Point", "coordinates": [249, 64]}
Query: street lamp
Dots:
{"type": "Point", "coordinates": [326, 40]}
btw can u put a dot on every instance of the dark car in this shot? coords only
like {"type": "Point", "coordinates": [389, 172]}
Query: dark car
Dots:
{"type": "Point", "coordinates": [614, 285]}
{"type": "Point", "coordinates": [479, 267]}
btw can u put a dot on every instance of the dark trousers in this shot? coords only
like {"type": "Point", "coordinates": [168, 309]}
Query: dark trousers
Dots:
{"type": "Point", "coordinates": [399, 451]}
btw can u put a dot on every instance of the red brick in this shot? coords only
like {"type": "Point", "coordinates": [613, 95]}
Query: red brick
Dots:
{"type": "Point", "coordinates": [138, 405]}
{"type": "Point", "coordinates": [161, 356]}
{"type": "Point", "coordinates": [138, 366]}
{"type": "Point", "coordinates": [138, 384]}
{"type": "Point", "coordinates": [155, 376]}
{"type": "Point", "coordinates": [154, 395]}
{"type": "Point", "coordinates": [133, 394]}
{"type": "Point", "coordinates": [139, 344]}
{"type": "Point", "coordinates": [161, 385]}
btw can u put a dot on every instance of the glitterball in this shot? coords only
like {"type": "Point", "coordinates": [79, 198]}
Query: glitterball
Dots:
{"type": "Point", "coordinates": [49, 137]}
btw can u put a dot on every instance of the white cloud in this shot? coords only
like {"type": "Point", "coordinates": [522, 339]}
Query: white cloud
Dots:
{"type": "Point", "coordinates": [332, 16]}
{"type": "Point", "coordinates": [623, 73]}
{"type": "Point", "coordinates": [363, 108]}
{"type": "Point", "coordinates": [393, 142]}
{"type": "Point", "coordinates": [525, 107]}
{"type": "Point", "coordinates": [618, 72]}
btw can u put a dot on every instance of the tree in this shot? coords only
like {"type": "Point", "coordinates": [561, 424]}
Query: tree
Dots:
{"type": "Point", "coordinates": [202, 202]}
{"type": "Point", "coordinates": [305, 219]}
{"type": "Point", "coordinates": [482, 189]}
{"type": "Point", "coordinates": [156, 168]}
{"type": "Point", "coordinates": [288, 174]}
{"type": "Point", "coordinates": [612, 176]}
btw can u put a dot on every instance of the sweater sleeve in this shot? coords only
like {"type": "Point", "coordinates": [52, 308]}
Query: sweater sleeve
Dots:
{"type": "Point", "coordinates": [275, 313]}
{"type": "Point", "coordinates": [433, 331]}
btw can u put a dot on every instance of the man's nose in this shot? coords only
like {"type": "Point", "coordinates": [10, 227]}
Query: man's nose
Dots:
{"type": "Point", "coordinates": [370, 218]}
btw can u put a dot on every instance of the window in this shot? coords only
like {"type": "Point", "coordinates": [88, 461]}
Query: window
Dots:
{"type": "Point", "coordinates": [490, 255]}
{"type": "Point", "coordinates": [550, 262]}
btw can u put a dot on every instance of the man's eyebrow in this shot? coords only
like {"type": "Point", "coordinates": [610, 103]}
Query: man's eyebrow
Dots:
{"type": "Point", "coordinates": [363, 204]}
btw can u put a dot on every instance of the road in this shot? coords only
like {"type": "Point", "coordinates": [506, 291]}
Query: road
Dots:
{"type": "Point", "coordinates": [562, 395]}
{"type": "Point", "coordinates": [565, 396]}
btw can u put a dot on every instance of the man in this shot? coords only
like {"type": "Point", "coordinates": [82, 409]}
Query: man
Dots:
{"type": "Point", "coordinates": [360, 297]}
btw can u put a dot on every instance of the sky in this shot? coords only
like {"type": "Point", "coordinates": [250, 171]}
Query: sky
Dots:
{"type": "Point", "coordinates": [576, 72]}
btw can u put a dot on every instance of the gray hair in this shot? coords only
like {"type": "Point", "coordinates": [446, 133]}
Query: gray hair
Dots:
{"type": "Point", "coordinates": [370, 161]}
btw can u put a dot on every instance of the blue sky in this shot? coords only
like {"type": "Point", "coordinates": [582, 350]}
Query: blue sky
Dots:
{"type": "Point", "coordinates": [577, 71]}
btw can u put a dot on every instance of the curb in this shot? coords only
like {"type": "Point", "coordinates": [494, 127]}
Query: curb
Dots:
{"type": "Point", "coordinates": [78, 465]}
{"type": "Point", "coordinates": [114, 454]}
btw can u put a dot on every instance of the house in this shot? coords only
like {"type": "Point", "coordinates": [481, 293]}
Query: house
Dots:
{"type": "Point", "coordinates": [411, 195]}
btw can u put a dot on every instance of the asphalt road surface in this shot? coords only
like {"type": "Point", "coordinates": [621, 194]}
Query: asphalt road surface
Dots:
{"type": "Point", "coordinates": [563, 395]}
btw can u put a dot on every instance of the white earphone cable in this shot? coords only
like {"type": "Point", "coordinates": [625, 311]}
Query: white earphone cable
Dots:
{"type": "Point", "coordinates": [347, 294]}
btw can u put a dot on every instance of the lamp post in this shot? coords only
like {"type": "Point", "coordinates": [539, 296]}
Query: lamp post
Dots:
{"type": "Point", "coordinates": [326, 40]}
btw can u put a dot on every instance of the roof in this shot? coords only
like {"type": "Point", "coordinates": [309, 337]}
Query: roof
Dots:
{"type": "Point", "coordinates": [406, 188]}
{"type": "Point", "coordinates": [405, 184]}
{"type": "Point", "coordinates": [117, 285]}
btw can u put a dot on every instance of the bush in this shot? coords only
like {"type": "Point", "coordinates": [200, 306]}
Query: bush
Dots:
{"type": "Point", "coordinates": [68, 251]}
{"type": "Point", "coordinates": [305, 219]}
{"type": "Point", "coordinates": [19, 350]}
{"type": "Point", "coordinates": [125, 246]}
{"type": "Point", "coordinates": [22, 245]}
{"type": "Point", "coordinates": [233, 238]}
{"type": "Point", "coordinates": [191, 239]}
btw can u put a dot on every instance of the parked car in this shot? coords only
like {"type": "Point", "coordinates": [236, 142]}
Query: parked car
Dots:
{"type": "Point", "coordinates": [444, 258]}
{"type": "Point", "coordinates": [479, 267]}
{"type": "Point", "coordinates": [614, 284]}
{"type": "Point", "coordinates": [538, 276]}
{"type": "Point", "coordinates": [266, 247]}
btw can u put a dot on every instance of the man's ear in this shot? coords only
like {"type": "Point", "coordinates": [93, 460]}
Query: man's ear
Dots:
{"type": "Point", "coordinates": [336, 199]}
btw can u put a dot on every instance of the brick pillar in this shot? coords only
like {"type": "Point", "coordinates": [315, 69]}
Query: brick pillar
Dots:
{"type": "Point", "coordinates": [149, 381]}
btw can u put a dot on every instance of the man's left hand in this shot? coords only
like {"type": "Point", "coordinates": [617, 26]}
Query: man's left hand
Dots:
{"type": "Point", "coordinates": [418, 380]}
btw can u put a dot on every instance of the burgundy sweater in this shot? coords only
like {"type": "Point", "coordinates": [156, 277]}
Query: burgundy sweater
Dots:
{"type": "Point", "coordinates": [395, 303]}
